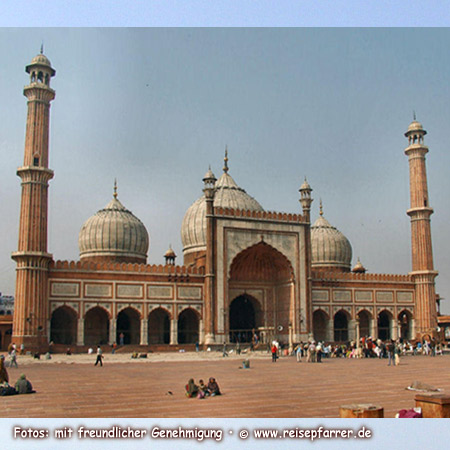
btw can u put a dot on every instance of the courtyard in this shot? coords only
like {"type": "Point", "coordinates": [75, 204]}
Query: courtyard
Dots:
{"type": "Point", "coordinates": [71, 386]}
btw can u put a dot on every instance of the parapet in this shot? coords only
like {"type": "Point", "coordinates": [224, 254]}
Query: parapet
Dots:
{"type": "Point", "coordinates": [259, 215]}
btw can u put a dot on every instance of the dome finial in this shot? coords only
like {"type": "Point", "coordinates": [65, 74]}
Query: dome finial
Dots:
{"type": "Point", "coordinates": [42, 48]}
{"type": "Point", "coordinates": [321, 208]}
{"type": "Point", "coordinates": [414, 115]}
{"type": "Point", "coordinates": [225, 160]}
{"type": "Point", "coordinates": [115, 188]}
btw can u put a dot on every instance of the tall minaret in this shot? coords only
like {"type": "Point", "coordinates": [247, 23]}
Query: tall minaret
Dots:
{"type": "Point", "coordinates": [30, 304]}
{"type": "Point", "coordinates": [422, 254]}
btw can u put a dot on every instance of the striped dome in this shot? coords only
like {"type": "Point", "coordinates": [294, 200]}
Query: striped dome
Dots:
{"type": "Point", "coordinates": [330, 249]}
{"type": "Point", "coordinates": [115, 234]}
{"type": "Point", "coordinates": [227, 195]}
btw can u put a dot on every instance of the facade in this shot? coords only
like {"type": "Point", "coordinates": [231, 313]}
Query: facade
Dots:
{"type": "Point", "coordinates": [246, 270]}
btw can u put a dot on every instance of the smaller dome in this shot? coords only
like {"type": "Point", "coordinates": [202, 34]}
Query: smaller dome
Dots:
{"type": "Point", "coordinates": [170, 253]}
{"type": "Point", "coordinates": [330, 249]}
{"type": "Point", "coordinates": [209, 175]}
{"type": "Point", "coordinates": [42, 60]}
{"type": "Point", "coordinates": [359, 268]}
{"type": "Point", "coordinates": [415, 126]}
{"type": "Point", "coordinates": [305, 185]}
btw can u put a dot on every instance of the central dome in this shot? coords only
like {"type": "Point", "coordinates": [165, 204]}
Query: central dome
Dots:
{"type": "Point", "coordinates": [114, 234]}
{"type": "Point", "coordinates": [227, 195]}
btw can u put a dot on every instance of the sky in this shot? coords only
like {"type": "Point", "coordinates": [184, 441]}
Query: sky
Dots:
{"type": "Point", "coordinates": [155, 107]}
{"type": "Point", "coordinates": [200, 13]}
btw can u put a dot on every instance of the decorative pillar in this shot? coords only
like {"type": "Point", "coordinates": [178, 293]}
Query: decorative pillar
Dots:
{"type": "Point", "coordinates": [144, 332]}
{"type": "Point", "coordinates": [352, 333]}
{"type": "Point", "coordinates": [394, 329]}
{"type": "Point", "coordinates": [80, 331]}
{"type": "Point", "coordinates": [174, 332]}
{"type": "Point", "coordinates": [112, 330]}
{"type": "Point", "coordinates": [201, 338]}
{"type": "Point", "coordinates": [32, 259]}
{"type": "Point", "coordinates": [358, 332]}
{"type": "Point", "coordinates": [374, 328]}
{"type": "Point", "coordinates": [420, 211]}
{"type": "Point", "coordinates": [330, 330]}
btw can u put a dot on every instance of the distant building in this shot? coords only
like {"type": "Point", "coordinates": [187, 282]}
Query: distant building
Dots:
{"type": "Point", "coordinates": [6, 305]}
{"type": "Point", "coordinates": [246, 271]}
{"type": "Point", "coordinates": [6, 320]}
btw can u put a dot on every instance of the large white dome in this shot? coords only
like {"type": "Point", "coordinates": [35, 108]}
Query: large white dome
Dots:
{"type": "Point", "coordinates": [227, 195]}
{"type": "Point", "coordinates": [114, 234]}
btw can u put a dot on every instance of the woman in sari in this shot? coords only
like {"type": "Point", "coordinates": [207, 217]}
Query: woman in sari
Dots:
{"type": "Point", "coordinates": [191, 389]}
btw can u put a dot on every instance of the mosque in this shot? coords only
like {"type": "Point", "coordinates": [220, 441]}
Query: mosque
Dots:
{"type": "Point", "coordinates": [245, 270]}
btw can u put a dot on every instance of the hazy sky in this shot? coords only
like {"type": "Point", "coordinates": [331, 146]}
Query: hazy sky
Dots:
{"type": "Point", "coordinates": [154, 107]}
{"type": "Point", "coordinates": [213, 13]}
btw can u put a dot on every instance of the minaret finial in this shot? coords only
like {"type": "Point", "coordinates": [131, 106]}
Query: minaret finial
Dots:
{"type": "Point", "coordinates": [42, 48]}
{"type": "Point", "coordinates": [225, 160]}
{"type": "Point", "coordinates": [414, 115]}
{"type": "Point", "coordinates": [321, 208]}
{"type": "Point", "coordinates": [115, 188]}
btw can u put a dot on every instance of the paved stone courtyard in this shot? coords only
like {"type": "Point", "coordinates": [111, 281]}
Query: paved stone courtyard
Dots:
{"type": "Point", "coordinates": [73, 387]}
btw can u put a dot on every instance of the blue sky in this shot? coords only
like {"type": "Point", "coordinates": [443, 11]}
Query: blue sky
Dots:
{"type": "Point", "coordinates": [154, 107]}
{"type": "Point", "coordinates": [263, 13]}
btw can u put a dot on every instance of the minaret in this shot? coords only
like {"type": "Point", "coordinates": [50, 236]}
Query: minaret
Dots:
{"type": "Point", "coordinates": [420, 211]}
{"type": "Point", "coordinates": [30, 306]}
{"type": "Point", "coordinates": [209, 181]}
{"type": "Point", "coordinates": [306, 201]}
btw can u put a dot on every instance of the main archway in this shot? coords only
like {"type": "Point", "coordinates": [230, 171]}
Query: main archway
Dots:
{"type": "Point", "coordinates": [63, 326]}
{"type": "Point", "coordinates": [245, 318]}
{"type": "Point", "coordinates": [264, 269]}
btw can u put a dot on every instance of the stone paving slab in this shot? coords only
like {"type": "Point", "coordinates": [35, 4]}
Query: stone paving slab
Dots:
{"type": "Point", "coordinates": [128, 388]}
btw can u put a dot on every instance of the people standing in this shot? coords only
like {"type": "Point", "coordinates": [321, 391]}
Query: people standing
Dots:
{"type": "Point", "coordinates": [225, 353]}
{"type": "Point", "coordinates": [99, 356]}
{"type": "Point", "coordinates": [13, 357]}
{"type": "Point", "coordinates": [274, 353]}
{"type": "Point", "coordinates": [391, 352]}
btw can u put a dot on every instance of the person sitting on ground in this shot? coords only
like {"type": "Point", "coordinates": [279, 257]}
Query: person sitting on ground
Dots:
{"type": "Point", "coordinates": [203, 388]}
{"type": "Point", "coordinates": [23, 386]}
{"type": "Point", "coordinates": [191, 389]}
{"type": "Point", "coordinates": [4, 377]}
{"type": "Point", "coordinates": [213, 387]}
{"type": "Point", "coordinates": [68, 351]}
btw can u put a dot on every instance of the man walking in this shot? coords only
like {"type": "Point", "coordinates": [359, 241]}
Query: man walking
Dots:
{"type": "Point", "coordinates": [99, 356]}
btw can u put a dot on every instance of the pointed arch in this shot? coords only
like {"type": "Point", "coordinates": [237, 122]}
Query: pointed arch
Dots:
{"type": "Point", "coordinates": [340, 321]}
{"type": "Point", "coordinates": [261, 262]}
{"type": "Point", "coordinates": [128, 324]}
{"type": "Point", "coordinates": [96, 326]}
{"type": "Point", "coordinates": [159, 326]}
{"type": "Point", "coordinates": [63, 326]}
{"type": "Point", "coordinates": [188, 326]}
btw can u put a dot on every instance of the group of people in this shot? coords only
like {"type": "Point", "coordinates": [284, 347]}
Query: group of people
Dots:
{"type": "Point", "coordinates": [202, 390]}
{"type": "Point", "coordinates": [22, 386]}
